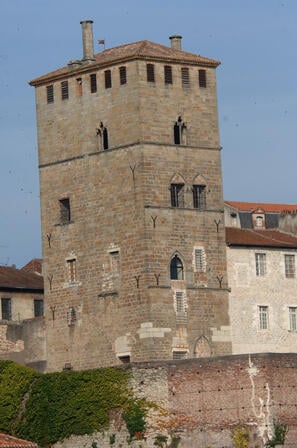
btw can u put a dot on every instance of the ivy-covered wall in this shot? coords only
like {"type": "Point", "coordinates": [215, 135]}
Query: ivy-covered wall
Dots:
{"type": "Point", "coordinates": [47, 408]}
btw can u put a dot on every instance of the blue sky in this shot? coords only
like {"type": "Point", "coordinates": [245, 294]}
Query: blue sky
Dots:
{"type": "Point", "coordinates": [256, 40]}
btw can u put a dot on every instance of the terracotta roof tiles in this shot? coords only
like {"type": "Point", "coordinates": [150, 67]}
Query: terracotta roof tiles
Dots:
{"type": "Point", "coordinates": [272, 208]}
{"type": "Point", "coordinates": [143, 49]}
{"type": "Point", "coordinates": [7, 441]}
{"type": "Point", "coordinates": [11, 277]}
{"type": "Point", "coordinates": [259, 238]}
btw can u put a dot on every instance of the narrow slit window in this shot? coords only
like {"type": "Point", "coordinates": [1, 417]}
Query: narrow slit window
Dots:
{"type": "Point", "coordinates": [105, 138]}
{"type": "Point", "coordinates": [71, 266]}
{"type": "Point", "coordinates": [107, 77]}
{"type": "Point", "coordinates": [150, 72]}
{"type": "Point", "coordinates": [179, 131]}
{"type": "Point", "coordinates": [64, 90]}
{"type": "Point", "coordinates": [202, 78]}
{"type": "Point", "coordinates": [50, 94]}
{"type": "Point", "coordinates": [293, 318]}
{"type": "Point", "coordinates": [168, 74]}
{"type": "Point", "coordinates": [185, 77]}
{"type": "Point", "coordinates": [79, 86]}
{"type": "Point", "coordinates": [260, 264]}
{"type": "Point", "coordinates": [65, 214]}
{"type": "Point", "coordinates": [123, 75]}
{"type": "Point", "coordinates": [93, 83]}
{"type": "Point", "coordinates": [263, 317]}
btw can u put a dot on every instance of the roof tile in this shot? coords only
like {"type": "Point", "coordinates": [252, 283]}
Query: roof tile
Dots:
{"type": "Point", "coordinates": [259, 238]}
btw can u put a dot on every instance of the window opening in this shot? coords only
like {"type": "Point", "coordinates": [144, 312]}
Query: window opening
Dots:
{"type": "Point", "coordinates": [263, 317]}
{"type": "Point", "coordinates": [180, 354]}
{"type": "Point", "coordinates": [105, 139]}
{"type": "Point", "coordinates": [176, 269]}
{"type": "Point", "coordinates": [199, 197]}
{"type": "Point", "coordinates": [6, 309]}
{"type": "Point", "coordinates": [123, 75]}
{"type": "Point", "coordinates": [65, 210]}
{"type": "Point", "coordinates": [125, 359]}
{"type": "Point", "coordinates": [107, 77]}
{"type": "Point", "coordinates": [79, 86]}
{"type": "Point", "coordinates": [178, 130]}
{"type": "Point", "coordinates": [150, 72]}
{"type": "Point", "coordinates": [293, 318]}
{"type": "Point", "coordinates": [50, 93]}
{"type": "Point", "coordinates": [199, 259]}
{"type": "Point", "coordinates": [115, 262]}
{"type": "Point", "coordinates": [185, 77]}
{"type": "Point", "coordinates": [38, 307]}
{"type": "Point", "coordinates": [290, 266]}
{"type": "Point", "coordinates": [202, 78]}
{"type": "Point", "coordinates": [93, 82]}
{"type": "Point", "coordinates": [168, 74]}
{"type": "Point", "coordinates": [103, 133]}
{"type": "Point", "coordinates": [260, 264]}
{"type": "Point", "coordinates": [64, 90]}
{"type": "Point", "coordinates": [177, 195]}
{"type": "Point", "coordinates": [71, 266]}
{"type": "Point", "coordinates": [259, 222]}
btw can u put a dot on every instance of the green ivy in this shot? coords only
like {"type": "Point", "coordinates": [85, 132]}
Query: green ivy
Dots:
{"type": "Point", "coordinates": [60, 404]}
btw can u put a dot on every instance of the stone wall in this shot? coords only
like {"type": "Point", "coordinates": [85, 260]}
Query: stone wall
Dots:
{"type": "Point", "coordinates": [201, 401]}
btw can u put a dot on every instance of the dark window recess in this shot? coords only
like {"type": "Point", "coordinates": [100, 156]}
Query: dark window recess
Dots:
{"type": "Point", "coordinates": [93, 82]}
{"type": "Point", "coordinates": [202, 78]}
{"type": "Point", "coordinates": [107, 77]}
{"type": "Point", "coordinates": [185, 76]}
{"type": "Point", "coordinates": [176, 269]}
{"type": "Point", "coordinates": [64, 90]}
{"type": "Point", "coordinates": [105, 138]}
{"type": "Point", "coordinates": [123, 75]}
{"type": "Point", "coordinates": [177, 195]}
{"type": "Point", "coordinates": [50, 93]}
{"type": "Point", "coordinates": [125, 359]}
{"type": "Point", "coordinates": [199, 196]}
{"type": "Point", "coordinates": [150, 72]}
{"type": "Point", "coordinates": [6, 309]}
{"type": "Point", "coordinates": [168, 74]}
{"type": "Point", "coordinates": [178, 129]}
{"type": "Point", "coordinates": [38, 307]}
{"type": "Point", "coordinates": [65, 210]}
{"type": "Point", "coordinates": [79, 87]}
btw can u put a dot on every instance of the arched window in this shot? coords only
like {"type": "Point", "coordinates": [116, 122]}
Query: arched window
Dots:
{"type": "Point", "coordinates": [176, 269]}
{"type": "Point", "coordinates": [177, 191]}
{"type": "Point", "coordinates": [199, 193]}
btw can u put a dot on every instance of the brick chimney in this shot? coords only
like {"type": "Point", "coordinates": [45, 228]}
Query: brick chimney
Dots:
{"type": "Point", "coordinates": [87, 37]}
{"type": "Point", "coordinates": [176, 42]}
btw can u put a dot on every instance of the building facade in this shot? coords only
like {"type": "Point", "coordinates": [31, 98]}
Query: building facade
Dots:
{"type": "Point", "coordinates": [263, 281]}
{"type": "Point", "coordinates": [131, 207]}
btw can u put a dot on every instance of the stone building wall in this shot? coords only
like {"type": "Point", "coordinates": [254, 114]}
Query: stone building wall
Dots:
{"type": "Point", "coordinates": [249, 291]}
{"type": "Point", "coordinates": [201, 401]}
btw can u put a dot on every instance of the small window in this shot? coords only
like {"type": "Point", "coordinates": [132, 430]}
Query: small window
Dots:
{"type": "Point", "coordinates": [199, 260]}
{"type": "Point", "coordinates": [199, 197]}
{"type": "Point", "coordinates": [293, 318]}
{"type": "Point", "coordinates": [178, 131]}
{"type": "Point", "coordinates": [115, 262]}
{"type": "Point", "coordinates": [150, 72]}
{"type": "Point", "coordinates": [290, 266]}
{"type": "Point", "coordinates": [105, 138]}
{"type": "Point", "coordinates": [260, 264]}
{"type": "Point", "coordinates": [185, 77]}
{"type": "Point", "coordinates": [202, 78]}
{"type": "Point", "coordinates": [125, 359]}
{"type": "Point", "coordinates": [107, 77]}
{"type": "Point", "coordinates": [177, 195]}
{"type": "Point", "coordinates": [123, 75]}
{"type": "Point", "coordinates": [38, 307]}
{"type": "Point", "coordinates": [93, 83]}
{"type": "Point", "coordinates": [259, 222]}
{"type": "Point", "coordinates": [71, 266]}
{"type": "Point", "coordinates": [50, 93]}
{"type": "Point", "coordinates": [79, 86]}
{"type": "Point", "coordinates": [176, 269]}
{"type": "Point", "coordinates": [6, 309]}
{"type": "Point", "coordinates": [168, 74]}
{"type": "Point", "coordinates": [179, 354]}
{"type": "Point", "coordinates": [65, 210]}
{"type": "Point", "coordinates": [263, 317]}
{"type": "Point", "coordinates": [64, 90]}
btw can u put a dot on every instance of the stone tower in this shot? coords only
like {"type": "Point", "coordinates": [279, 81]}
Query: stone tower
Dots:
{"type": "Point", "coordinates": [132, 207]}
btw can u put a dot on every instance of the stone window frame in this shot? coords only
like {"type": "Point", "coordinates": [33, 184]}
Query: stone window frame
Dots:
{"type": "Point", "coordinates": [263, 314]}
{"type": "Point", "coordinates": [261, 264]}
{"type": "Point", "coordinates": [179, 354]}
{"type": "Point", "coordinates": [292, 315]}
{"type": "Point", "coordinates": [115, 261]}
{"type": "Point", "coordinates": [289, 263]}
{"type": "Point", "coordinates": [176, 268]}
{"type": "Point", "coordinates": [201, 265]}
{"type": "Point", "coordinates": [71, 264]}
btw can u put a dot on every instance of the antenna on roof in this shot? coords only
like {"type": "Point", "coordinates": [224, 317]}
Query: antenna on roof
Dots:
{"type": "Point", "coordinates": [101, 42]}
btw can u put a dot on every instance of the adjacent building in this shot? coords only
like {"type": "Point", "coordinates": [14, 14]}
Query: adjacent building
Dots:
{"type": "Point", "coordinates": [131, 206]}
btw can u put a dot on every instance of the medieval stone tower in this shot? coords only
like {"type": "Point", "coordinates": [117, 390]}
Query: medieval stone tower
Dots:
{"type": "Point", "coordinates": [132, 207]}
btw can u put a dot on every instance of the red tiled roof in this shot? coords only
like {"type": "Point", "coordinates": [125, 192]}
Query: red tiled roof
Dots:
{"type": "Point", "coordinates": [7, 441]}
{"type": "Point", "coordinates": [259, 238]}
{"type": "Point", "coordinates": [11, 277]}
{"type": "Point", "coordinates": [34, 266]}
{"type": "Point", "coordinates": [273, 208]}
{"type": "Point", "coordinates": [143, 49]}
